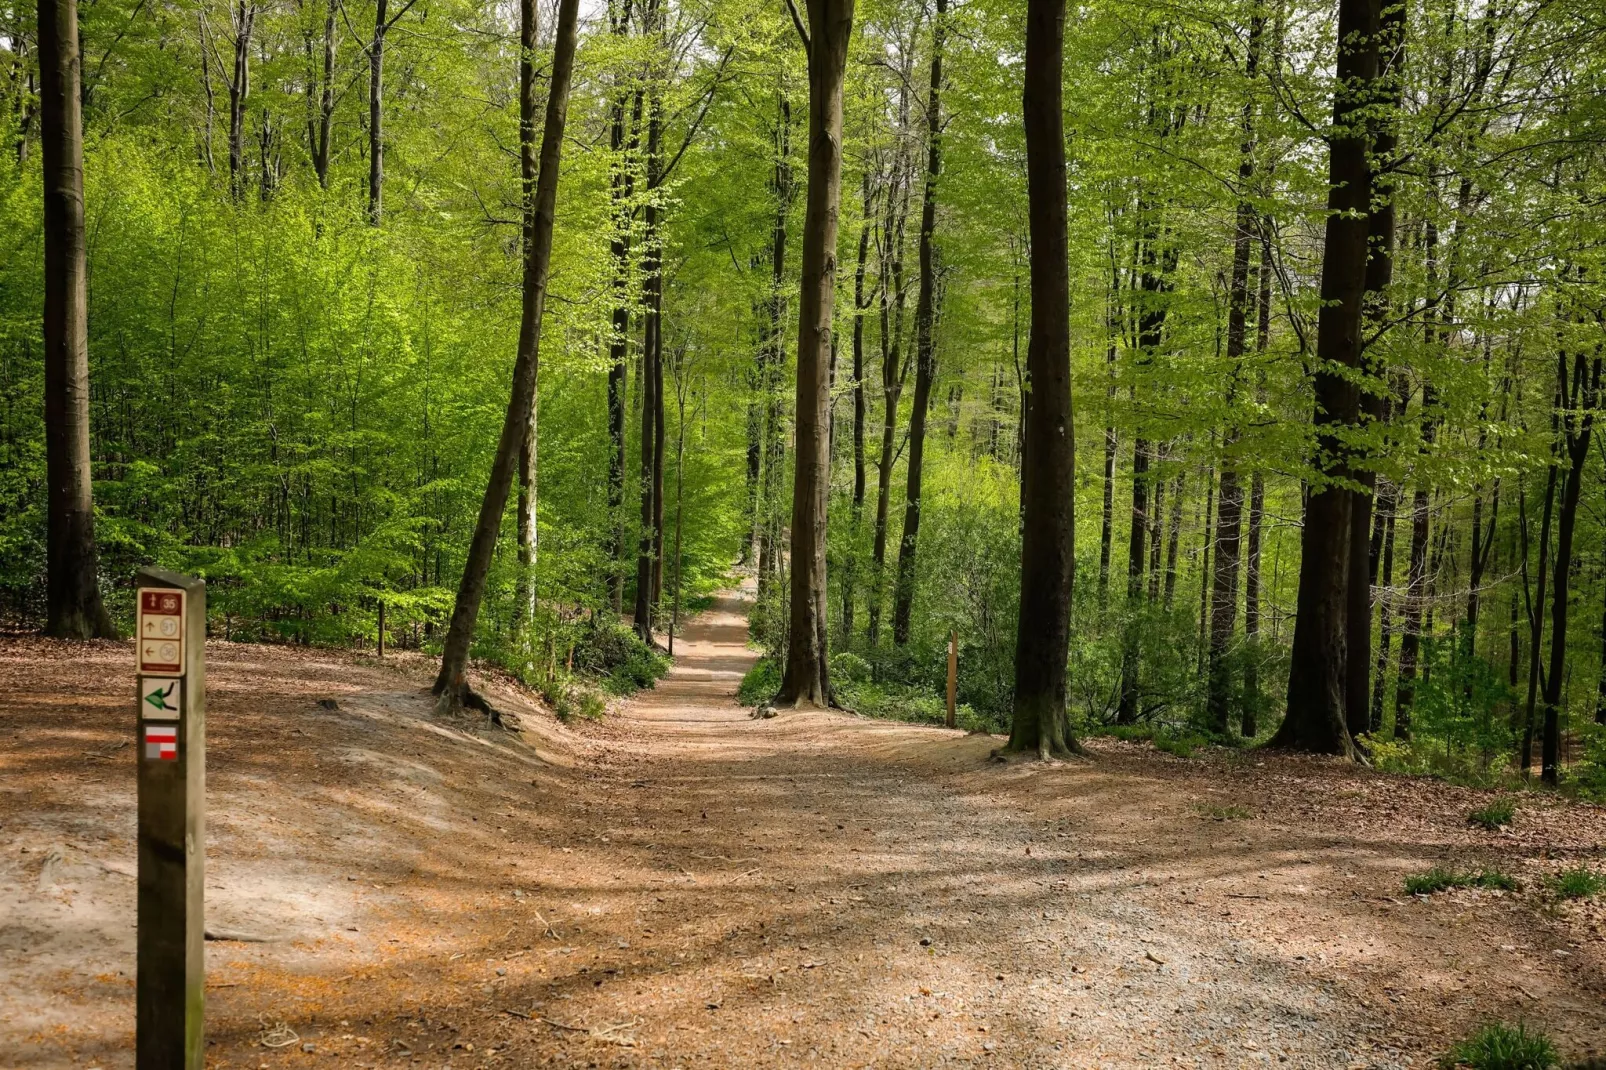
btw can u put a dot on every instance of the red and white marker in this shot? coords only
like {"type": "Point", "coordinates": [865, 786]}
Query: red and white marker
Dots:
{"type": "Point", "coordinates": [161, 742]}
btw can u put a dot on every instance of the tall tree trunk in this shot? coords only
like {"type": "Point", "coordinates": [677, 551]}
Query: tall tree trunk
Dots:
{"type": "Point", "coordinates": [1129, 700]}
{"type": "Point", "coordinates": [72, 562]}
{"type": "Point", "coordinates": [807, 678]}
{"type": "Point", "coordinates": [621, 191]}
{"type": "Point", "coordinates": [649, 556]}
{"type": "Point", "coordinates": [321, 111]}
{"type": "Point", "coordinates": [1318, 671]}
{"type": "Point", "coordinates": [1041, 724]}
{"type": "Point", "coordinates": [1224, 581]}
{"type": "Point", "coordinates": [925, 356]}
{"type": "Point", "coordinates": [1600, 684]}
{"type": "Point", "coordinates": [376, 114]}
{"type": "Point", "coordinates": [524, 601]}
{"type": "Point", "coordinates": [1411, 629]}
{"type": "Point", "coordinates": [1173, 537]}
{"type": "Point", "coordinates": [1257, 512]}
{"type": "Point", "coordinates": [1536, 607]}
{"type": "Point", "coordinates": [1388, 511]}
{"type": "Point", "coordinates": [1107, 517]}
{"type": "Point", "coordinates": [892, 379]}
{"type": "Point", "coordinates": [1416, 583]}
{"type": "Point", "coordinates": [851, 558]}
{"type": "Point", "coordinates": [244, 17]}
{"type": "Point", "coordinates": [772, 360]}
{"type": "Point", "coordinates": [1389, 45]}
{"type": "Point", "coordinates": [1582, 397]}
{"type": "Point", "coordinates": [451, 684]}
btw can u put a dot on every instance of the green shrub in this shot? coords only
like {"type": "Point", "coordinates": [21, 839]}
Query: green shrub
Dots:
{"type": "Point", "coordinates": [1439, 879]}
{"type": "Point", "coordinates": [1503, 1047]}
{"type": "Point", "coordinates": [848, 668]}
{"type": "Point", "coordinates": [1578, 883]}
{"type": "Point", "coordinates": [1181, 746]}
{"type": "Point", "coordinates": [1497, 814]}
{"type": "Point", "coordinates": [760, 684]}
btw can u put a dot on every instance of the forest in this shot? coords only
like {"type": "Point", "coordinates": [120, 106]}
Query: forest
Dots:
{"type": "Point", "coordinates": [1210, 373]}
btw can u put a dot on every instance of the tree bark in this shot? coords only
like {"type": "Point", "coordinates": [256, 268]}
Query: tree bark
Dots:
{"type": "Point", "coordinates": [524, 602]}
{"type": "Point", "coordinates": [1257, 512]}
{"type": "Point", "coordinates": [1389, 45]}
{"type": "Point", "coordinates": [376, 114]}
{"type": "Point", "coordinates": [244, 17]}
{"type": "Point", "coordinates": [1389, 510]}
{"type": "Point", "coordinates": [1582, 396]}
{"type": "Point", "coordinates": [892, 379]}
{"type": "Point", "coordinates": [1041, 723]}
{"type": "Point", "coordinates": [322, 121]}
{"type": "Point", "coordinates": [851, 558]}
{"type": "Point", "coordinates": [621, 190]}
{"type": "Point", "coordinates": [1536, 608]}
{"type": "Point", "coordinates": [1316, 719]}
{"type": "Point", "coordinates": [925, 355]}
{"type": "Point", "coordinates": [72, 561]}
{"type": "Point", "coordinates": [451, 684]}
{"type": "Point", "coordinates": [806, 680]}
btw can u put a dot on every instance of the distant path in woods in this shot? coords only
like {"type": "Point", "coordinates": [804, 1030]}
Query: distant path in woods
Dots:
{"type": "Point", "coordinates": [681, 885]}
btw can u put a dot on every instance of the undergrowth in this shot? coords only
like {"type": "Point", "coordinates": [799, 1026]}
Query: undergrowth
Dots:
{"type": "Point", "coordinates": [1496, 815]}
{"type": "Point", "coordinates": [1504, 1047]}
{"type": "Point", "coordinates": [1439, 879]}
{"type": "Point", "coordinates": [1578, 883]}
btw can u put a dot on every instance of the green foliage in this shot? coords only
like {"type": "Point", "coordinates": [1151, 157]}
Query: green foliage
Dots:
{"type": "Point", "coordinates": [1580, 882]}
{"type": "Point", "coordinates": [1439, 879]}
{"type": "Point", "coordinates": [1497, 814]}
{"type": "Point", "coordinates": [1497, 1046]}
{"type": "Point", "coordinates": [760, 683]}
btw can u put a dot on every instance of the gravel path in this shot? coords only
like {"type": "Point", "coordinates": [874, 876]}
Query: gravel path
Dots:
{"type": "Point", "coordinates": [684, 886]}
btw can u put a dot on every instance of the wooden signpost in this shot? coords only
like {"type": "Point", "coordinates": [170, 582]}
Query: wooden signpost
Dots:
{"type": "Point", "coordinates": [170, 718]}
{"type": "Point", "coordinates": [953, 676]}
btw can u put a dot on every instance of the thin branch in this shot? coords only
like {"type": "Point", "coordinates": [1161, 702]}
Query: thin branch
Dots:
{"type": "Point", "coordinates": [797, 21]}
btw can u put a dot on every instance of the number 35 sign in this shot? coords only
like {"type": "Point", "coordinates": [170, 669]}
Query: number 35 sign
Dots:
{"type": "Point", "coordinates": [161, 631]}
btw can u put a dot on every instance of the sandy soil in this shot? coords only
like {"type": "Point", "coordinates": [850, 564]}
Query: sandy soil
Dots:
{"type": "Point", "coordinates": [684, 886]}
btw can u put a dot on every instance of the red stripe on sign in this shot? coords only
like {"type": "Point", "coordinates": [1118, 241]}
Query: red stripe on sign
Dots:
{"type": "Point", "coordinates": [160, 734]}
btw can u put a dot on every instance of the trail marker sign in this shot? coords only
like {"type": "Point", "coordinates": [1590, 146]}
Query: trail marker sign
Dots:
{"type": "Point", "coordinates": [160, 698]}
{"type": "Point", "coordinates": [170, 720]}
{"type": "Point", "coordinates": [161, 630]}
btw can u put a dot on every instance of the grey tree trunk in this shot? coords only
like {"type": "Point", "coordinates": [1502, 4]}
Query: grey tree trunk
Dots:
{"type": "Point", "coordinates": [524, 608]}
{"type": "Point", "coordinates": [850, 560]}
{"type": "Point", "coordinates": [806, 680]}
{"type": "Point", "coordinates": [72, 562]}
{"type": "Point", "coordinates": [925, 355]}
{"type": "Point", "coordinates": [451, 684]}
{"type": "Point", "coordinates": [1041, 723]}
{"type": "Point", "coordinates": [1318, 672]}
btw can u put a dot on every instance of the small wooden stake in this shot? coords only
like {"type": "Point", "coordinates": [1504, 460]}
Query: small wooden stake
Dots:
{"type": "Point", "coordinates": [953, 675]}
{"type": "Point", "coordinates": [381, 629]}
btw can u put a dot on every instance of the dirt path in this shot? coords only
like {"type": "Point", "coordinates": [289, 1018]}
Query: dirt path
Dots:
{"type": "Point", "coordinates": [682, 885]}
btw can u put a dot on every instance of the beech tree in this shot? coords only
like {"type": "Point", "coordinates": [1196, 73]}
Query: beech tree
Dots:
{"type": "Point", "coordinates": [807, 679]}
{"type": "Point", "coordinates": [451, 684]}
{"type": "Point", "coordinates": [1041, 724]}
{"type": "Point", "coordinates": [73, 582]}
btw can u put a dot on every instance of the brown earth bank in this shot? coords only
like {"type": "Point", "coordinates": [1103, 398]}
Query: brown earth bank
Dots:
{"type": "Point", "coordinates": [683, 886]}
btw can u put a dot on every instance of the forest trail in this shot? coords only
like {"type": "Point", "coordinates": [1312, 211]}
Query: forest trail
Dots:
{"type": "Point", "coordinates": [684, 886]}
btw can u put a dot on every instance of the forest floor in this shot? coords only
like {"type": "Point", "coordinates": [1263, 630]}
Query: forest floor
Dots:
{"type": "Point", "coordinates": [680, 885]}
